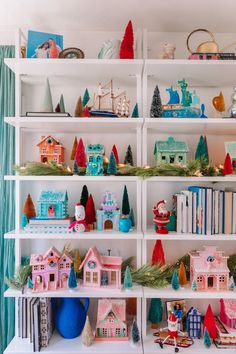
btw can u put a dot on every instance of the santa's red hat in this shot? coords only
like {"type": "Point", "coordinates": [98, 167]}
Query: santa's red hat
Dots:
{"type": "Point", "coordinates": [172, 317]}
{"type": "Point", "coordinates": [78, 204]}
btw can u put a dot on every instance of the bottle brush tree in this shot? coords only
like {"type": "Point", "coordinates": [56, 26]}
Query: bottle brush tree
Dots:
{"type": "Point", "coordinates": [62, 104]}
{"type": "Point", "coordinates": [209, 323]}
{"type": "Point", "coordinates": [57, 108]}
{"type": "Point", "coordinates": [84, 196]}
{"type": "Point", "coordinates": [87, 336]}
{"type": "Point", "coordinates": [77, 261]}
{"type": "Point", "coordinates": [47, 105]}
{"type": "Point", "coordinates": [182, 275]}
{"type": "Point", "coordinates": [115, 152]}
{"type": "Point", "coordinates": [206, 338]}
{"type": "Point", "coordinates": [194, 285]}
{"type": "Point", "coordinates": [231, 283]}
{"type": "Point", "coordinates": [158, 256]}
{"type": "Point", "coordinates": [80, 156]}
{"type": "Point", "coordinates": [135, 113]}
{"type": "Point", "coordinates": [155, 312]}
{"type": "Point", "coordinates": [111, 169]}
{"type": "Point", "coordinates": [79, 111]}
{"type": "Point", "coordinates": [131, 216]}
{"type": "Point", "coordinates": [202, 150]}
{"type": "Point", "coordinates": [228, 168]}
{"type": "Point", "coordinates": [29, 283]}
{"type": "Point", "coordinates": [29, 209]}
{"type": "Point", "coordinates": [127, 44]}
{"type": "Point", "coordinates": [86, 97]}
{"type": "Point", "coordinates": [128, 283]}
{"type": "Point", "coordinates": [135, 335]}
{"type": "Point", "coordinates": [72, 284]}
{"type": "Point", "coordinates": [90, 213]}
{"type": "Point", "coordinates": [156, 106]}
{"type": "Point", "coordinates": [24, 221]}
{"type": "Point", "coordinates": [86, 112]}
{"type": "Point", "coordinates": [175, 281]}
{"type": "Point", "coordinates": [129, 157]}
{"type": "Point", "coordinates": [73, 151]}
{"type": "Point", "coordinates": [125, 202]}
{"type": "Point", "coordinates": [75, 168]}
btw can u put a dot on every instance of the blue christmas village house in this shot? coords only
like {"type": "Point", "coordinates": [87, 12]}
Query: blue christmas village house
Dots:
{"type": "Point", "coordinates": [194, 323]}
{"type": "Point", "coordinates": [109, 215]}
{"type": "Point", "coordinates": [94, 156]}
{"type": "Point", "coordinates": [170, 151]}
{"type": "Point", "coordinates": [53, 205]}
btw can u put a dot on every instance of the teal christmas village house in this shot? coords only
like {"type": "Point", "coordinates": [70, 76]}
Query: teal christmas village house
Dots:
{"type": "Point", "coordinates": [170, 151]}
{"type": "Point", "coordinates": [53, 205]}
{"type": "Point", "coordinates": [94, 156]}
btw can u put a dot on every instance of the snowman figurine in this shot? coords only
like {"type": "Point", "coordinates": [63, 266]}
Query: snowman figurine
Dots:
{"type": "Point", "coordinates": [79, 225]}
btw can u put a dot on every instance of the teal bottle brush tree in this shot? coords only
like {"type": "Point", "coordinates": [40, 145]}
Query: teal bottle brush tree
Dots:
{"type": "Point", "coordinates": [128, 283]}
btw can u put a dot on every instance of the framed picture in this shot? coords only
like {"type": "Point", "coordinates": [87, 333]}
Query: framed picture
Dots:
{"type": "Point", "coordinates": [71, 53]}
{"type": "Point", "coordinates": [178, 307]}
{"type": "Point", "coordinates": [40, 44]}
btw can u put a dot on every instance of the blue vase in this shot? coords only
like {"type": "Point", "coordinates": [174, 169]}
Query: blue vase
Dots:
{"type": "Point", "coordinates": [70, 317]}
{"type": "Point", "coordinates": [125, 224]}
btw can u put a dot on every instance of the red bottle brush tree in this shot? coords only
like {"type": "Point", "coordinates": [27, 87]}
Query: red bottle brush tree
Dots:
{"type": "Point", "coordinates": [228, 168]}
{"type": "Point", "coordinates": [115, 152]}
{"type": "Point", "coordinates": [90, 213]}
{"type": "Point", "coordinates": [80, 156]}
{"type": "Point", "coordinates": [86, 112]}
{"type": "Point", "coordinates": [158, 256]}
{"type": "Point", "coordinates": [209, 323]}
{"type": "Point", "coordinates": [127, 44]}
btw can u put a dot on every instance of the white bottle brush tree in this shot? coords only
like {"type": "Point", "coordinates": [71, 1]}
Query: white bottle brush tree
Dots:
{"type": "Point", "coordinates": [87, 336]}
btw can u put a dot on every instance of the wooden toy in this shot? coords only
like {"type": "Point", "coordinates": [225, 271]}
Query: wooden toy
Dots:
{"type": "Point", "coordinates": [94, 154]}
{"type": "Point", "coordinates": [161, 218]}
{"type": "Point", "coordinates": [79, 225]}
{"type": "Point", "coordinates": [51, 270]}
{"type": "Point", "coordinates": [52, 205]}
{"type": "Point", "coordinates": [51, 149]}
{"type": "Point", "coordinates": [101, 271]}
{"type": "Point", "coordinates": [170, 151]}
{"type": "Point", "coordinates": [194, 323]}
{"type": "Point", "coordinates": [111, 320]}
{"type": "Point", "coordinates": [108, 215]}
{"type": "Point", "coordinates": [209, 269]}
{"type": "Point", "coordinates": [228, 313]}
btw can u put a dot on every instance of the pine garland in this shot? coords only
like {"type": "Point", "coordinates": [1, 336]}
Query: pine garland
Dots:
{"type": "Point", "coordinates": [42, 169]}
{"type": "Point", "coordinates": [20, 277]}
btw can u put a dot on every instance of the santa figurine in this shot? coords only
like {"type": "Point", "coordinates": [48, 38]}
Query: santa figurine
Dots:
{"type": "Point", "coordinates": [161, 218]}
{"type": "Point", "coordinates": [79, 225]}
{"type": "Point", "coordinates": [173, 331]}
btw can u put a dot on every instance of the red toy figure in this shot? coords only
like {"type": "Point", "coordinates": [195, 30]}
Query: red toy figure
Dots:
{"type": "Point", "coordinates": [173, 331]}
{"type": "Point", "coordinates": [161, 218]}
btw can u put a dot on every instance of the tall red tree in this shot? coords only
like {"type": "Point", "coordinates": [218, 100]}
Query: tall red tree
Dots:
{"type": "Point", "coordinates": [228, 168]}
{"type": "Point", "coordinates": [86, 112]}
{"type": "Point", "coordinates": [90, 213]}
{"type": "Point", "coordinates": [209, 323]}
{"type": "Point", "coordinates": [158, 256]}
{"type": "Point", "coordinates": [80, 156]}
{"type": "Point", "coordinates": [115, 152]}
{"type": "Point", "coordinates": [127, 44]}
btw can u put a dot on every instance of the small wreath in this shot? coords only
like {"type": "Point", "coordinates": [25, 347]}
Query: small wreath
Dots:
{"type": "Point", "coordinates": [71, 53]}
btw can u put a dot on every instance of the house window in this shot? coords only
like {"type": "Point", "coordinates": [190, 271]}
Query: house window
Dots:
{"type": "Point", "coordinates": [56, 150]}
{"type": "Point", "coordinates": [104, 332]}
{"type": "Point", "coordinates": [67, 265]}
{"type": "Point", "coordinates": [35, 267]}
{"type": "Point", "coordinates": [200, 279]}
{"type": "Point", "coordinates": [61, 266]}
{"type": "Point", "coordinates": [55, 159]}
{"type": "Point", "coordinates": [90, 158]}
{"type": "Point", "coordinates": [172, 158]}
{"type": "Point", "coordinates": [180, 158]}
{"type": "Point", "coordinates": [44, 151]}
{"type": "Point", "coordinates": [113, 277]}
{"type": "Point", "coordinates": [42, 267]}
{"type": "Point", "coordinates": [87, 277]}
{"type": "Point", "coordinates": [95, 277]}
{"type": "Point", "coordinates": [117, 331]}
{"type": "Point", "coordinates": [221, 278]}
{"type": "Point", "coordinates": [163, 158]}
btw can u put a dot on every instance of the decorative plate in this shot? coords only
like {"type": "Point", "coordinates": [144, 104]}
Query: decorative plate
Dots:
{"type": "Point", "coordinates": [71, 53]}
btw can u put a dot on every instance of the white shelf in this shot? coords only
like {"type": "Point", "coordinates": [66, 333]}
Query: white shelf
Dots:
{"type": "Point", "coordinates": [212, 73]}
{"type": "Point", "coordinates": [82, 291]}
{"type": "Point", "coordinates": [81, 68]}
{"type": "Point", "coordinates": [59, 345]}
{"type": "Point", "coordinates": [217, 126]}
{"type": "Point", "coordinates": [77, 125]}
{"type": "Point", "coordinates": [150, 234]}
{"type": "Point", "coordinates": [186, 293]}
{"type": "Point", "coordinates": [231, 178]}
{"type": "Point", "coordinates": [73, 178]}
{"type": "Point", "coordinates": [91, 235]}
{"type": "Point", "coordinates": [149, 347]}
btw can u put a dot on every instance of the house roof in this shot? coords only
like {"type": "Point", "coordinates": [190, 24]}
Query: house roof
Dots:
{"type": "Point", "coordinates": [94, 149]}
{"type": "Point", "coordinates": [54, 250]}
{"type": "Point", "coordinates": [104, 261]}
{"type": "Point", "coordinates": [53, 196]}
{"type": "Point", "coordinates": [43, 138]}
{"type": "Point", "coordinates": [65, 255]}
{"type": "Point", "coordinates": [209, 260]}
{"type": "Point", "coordinates": [118, 307]}
{"type": "Point", "coordinates": [230, 307]}
{"type": "Point", "coordinates": [193, 312]}
{"type": "Point", "coordinates": [170, 145]}
{"type": "Point", "coordinates": [42, 259]}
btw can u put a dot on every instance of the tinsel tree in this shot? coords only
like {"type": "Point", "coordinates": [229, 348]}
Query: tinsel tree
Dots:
{"type": "Point", "coordinates": [206, 338]}
{"type": "Point", "coordinates": [90, 212]}
{"type": "Point", "coordinates": [175, 281]}
{"type": "Point", "coordinates": [202, 150]}
{"type": "Point", "coordinates": [156, 106]}
{"type": "Point", "coordinates": [135, 335]}
{"type": "Point", "coordinates": [125, 202]}
{"type": "Point", "coordinates": [77, 261]}
{"type": "Point", "coordinates": [84, 196]}
{"type": "Point", "coordinates": [228, 168]}
{"type": "Point", "coordinates": [24, 221]}
{"type": "Point", "coordinates": [128, 284]}
{"type": "Point", "coordinates": [80, 156]}
{"type": "Point", "coordinates": [86, 97]}
{"type": "Point", "coordinates": [47, 105]}
{"type": "Point", "coordinates": [111, 169]}
{"type": "Point", "coordinates": [182, 275]}
{"type": "Point", "coordinates": [62, 104]}
{"type": "Point", "coordinates": [72, 284]}
{"type": "Point", "coordinates": [131, 216]}
{"type": "Point", "coordinates": [29, 283]}
{"type": "Point", "coordinates": [194, 285]}
{"type": "Point", "coordinates": [127, 44]}
{"type": "Point", "coordinates": [209, 323]}
{"type": "Point", "coordinates": [73, 151]}
{"type": "Point", "coordinates": [135, 113]}
{"type": "Point", "coordinates": [129, 157]}
{"type": "Point", "coordinates": [155, 312]}
{"type": "Point", "coordinates": [79, 112]}
{"type": "Point", "coordinates": [29, 209]}
{"type": "Point", "coordinates": [115, 152]}
{"type": "Point", "coordinates": [87, 336]}
{"type": "Point", "coordinates": [75, 168]}
{"type": "Point", "coordinates": [158, 256]}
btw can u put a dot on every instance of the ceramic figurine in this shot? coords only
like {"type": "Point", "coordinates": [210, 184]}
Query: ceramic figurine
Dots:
{"type": "Point", "coordinates": [186, 95]}
{"type": "Point", "coordinates": [209, 269]}
{"type": "Point", "coordinates": [125, 224]}
{"type": "Point", "coordinates": [194, 323]}
{"type": "Point", "coordinates": [195, 99]}
{"type": "Point", "coordinates": [171, 151]}
{"type": "Point", "coordinates": [168, 51]}
{"type": "Point", "coordinates": [161, 217]}
{"type": "Point", "coordinates": [94, 154]}
{"type": "Point", "coordinates": [101, 271]}
{"type": "Point", "coordinates": [79, 225]}
{"type": "Point", "coordinates": [174, 96]}
{"type": "Point", "coordinates": [108, 216]}
{"type": "Point", "coordinates": [203, 111]}
{"type": "Point", "coordinates": [51, 149]}
{"type": "Point", "coordinates": [111, 320]}
{"type": "Point", "coordinates": [219, 103]}
{"type": "Point", "coordinates": [51, 270]}
{"type": "Point", "coordinates": [232, 108]}
{"type": "Point", "coordinates": [110, 49]}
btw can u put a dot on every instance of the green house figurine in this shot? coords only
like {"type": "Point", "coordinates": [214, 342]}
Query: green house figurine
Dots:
{"type": "Point", "coordinates": [170, 151]}
{"type": "Point", "coordinates": [94, 156]}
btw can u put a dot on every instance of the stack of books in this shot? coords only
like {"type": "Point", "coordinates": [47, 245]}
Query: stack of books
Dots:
{"type": "Point", "coordinates": [226, 337]}
{"type": "Point", "coordinates": [204, 211]}
{"type": "Point", "coordinates": [37, 225]}
{"type": "Point", "coordinates": [35, 321]}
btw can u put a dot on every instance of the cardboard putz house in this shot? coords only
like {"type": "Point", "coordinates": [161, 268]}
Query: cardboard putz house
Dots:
{"type": "Point", "coordinates": [50, 149]}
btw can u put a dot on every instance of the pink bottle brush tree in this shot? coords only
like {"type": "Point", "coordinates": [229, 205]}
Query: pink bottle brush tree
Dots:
{"type": "Point", "coordinates": [80, 156]}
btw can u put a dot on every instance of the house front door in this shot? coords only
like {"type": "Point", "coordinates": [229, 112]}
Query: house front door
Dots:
{"type": "Point", "coordinates": [113, 278]}
{"type": "Point", "coordinates": [210, 282]}
{"type": "Point", "coordinates": [52, 283]}
{"type": "Point", "coordinates": [108, 225]}
{"type": "Point", "coordinates": [44, 159]}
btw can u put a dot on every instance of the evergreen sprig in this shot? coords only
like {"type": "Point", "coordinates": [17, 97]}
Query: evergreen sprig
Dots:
{"type": "Point", "coordinates": [20, 278]}
{"type": "Point", "coordinates": [42, 169]}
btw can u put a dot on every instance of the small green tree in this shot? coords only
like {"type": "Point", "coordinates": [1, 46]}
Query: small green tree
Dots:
{"type": "Point", "coordinates": [202, 150]}
{"type": "Point", "coordinates": [156, 106]}
{"type": "Point", "coordinates": [72, 278]}
{"type": "Point", "coordinates": [131, 216]}
{"type": "Point", "coordinates": [135, 113]}
{"type": "Point", "coordinates": [29, 283]}
{"type": "Point", "coordinates": [231, 283]}
{"type": "Point", "coordinates": [128, 284]}
{"type": "Point", "coordinates": [86, 97]}
{"type": "Point", "coordinates": [76, 169]}
{"type": "Point", "coordinates": [194, 285]}
{"type": "Point", "coordinates": [111, 169]}
{"type": "Point", "coordinates": [135, 333]}
{"type": "Point", "coordinates": [125, 202]}
{"type": "Point", "coordinates": [62, 104]}
{"type": "Point", "coordinates": [129, 157]}
{"type": "Point", "coordinates": [175, 280]}
{"type": "Point", "coordinates": [206, 338]}
{"type": "Point", "coordinates": [155, 312]}
{"type": "Point", "coordinates": [24, 221]}
{"type": "Point", "coordinates": [84, 196]}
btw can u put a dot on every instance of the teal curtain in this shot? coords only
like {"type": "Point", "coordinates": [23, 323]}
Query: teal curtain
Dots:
{"type": "Point", "coordinates": [7, 200]}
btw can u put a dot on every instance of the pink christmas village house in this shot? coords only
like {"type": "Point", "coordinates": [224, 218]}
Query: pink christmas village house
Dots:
{"type": "Point", "coordinates": [51, 270]}
{"type": "Point", "coordinates": [111, 320]}
{"type": "Point", "coordinates": [228, 313]}
{"type": "Point", "coordinates": [101, 271]}
{"type": "Point", "coordinates": [209, 269]}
